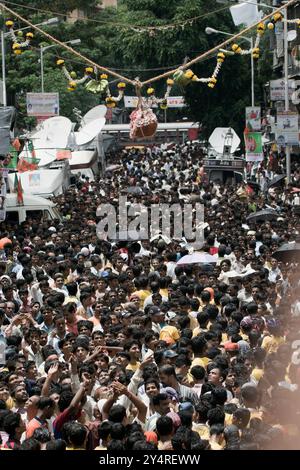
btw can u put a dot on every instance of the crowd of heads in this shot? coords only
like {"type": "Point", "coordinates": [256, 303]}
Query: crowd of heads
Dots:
{"type": "Point", "coordinates": [108, 344]}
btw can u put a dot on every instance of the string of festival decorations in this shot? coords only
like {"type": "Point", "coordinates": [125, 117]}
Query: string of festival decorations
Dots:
{"type": "Point", "coordinates": [143, 121]}
{"type": "Point", "coordinates": [152, 100]}
{"type": "Point", "coordinates": [94, 85]}
{"type": "Point", "coordinates": [151, 30]}
{"type": "Point", "coordinates": [19, 43]}
{"type": "Point", "coordinates": [180, 77]}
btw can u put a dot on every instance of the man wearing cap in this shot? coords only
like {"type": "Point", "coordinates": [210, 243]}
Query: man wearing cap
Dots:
{"type": "Point", "coordinates": [157, 317]}
{"type": "Point", "coordinates": [231, 349]}
{"type": "Point", "coordinates": [170, 356]}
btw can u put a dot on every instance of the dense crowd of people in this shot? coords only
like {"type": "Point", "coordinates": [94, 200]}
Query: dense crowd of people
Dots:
{"type": "Point", "coordinates": [108, 344]}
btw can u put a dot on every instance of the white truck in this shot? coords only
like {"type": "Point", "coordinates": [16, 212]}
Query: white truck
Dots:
{"type": "Point", "coordinates": [32, 206]}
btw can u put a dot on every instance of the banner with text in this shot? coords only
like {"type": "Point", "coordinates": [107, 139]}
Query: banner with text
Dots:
{"type": "Point", "coordinates": [287, 129]}
{"type": "Point", "coordinates": [277, 89]}
{"type": "Point", "coordinates": [42, 104]}
{"type": "Point", "coordinates": [253, 144]}
{"type": "Point", "coordinates": [3, 190]}
{"type": "Point", "coordinates": [253, 119]}
{"type": "Point", "coordinates": [173, 102]}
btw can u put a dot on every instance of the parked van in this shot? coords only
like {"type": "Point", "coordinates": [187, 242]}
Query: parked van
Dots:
{"type": "Point", "coordinates": [34, 206]}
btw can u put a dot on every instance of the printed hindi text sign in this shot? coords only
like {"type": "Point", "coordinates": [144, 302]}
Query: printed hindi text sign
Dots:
{"type": "Point", "coordinates": [176, 102]}
{"type": "Point", "coordinates": [253, 144]}
{"type": "Point", "coordinates": [277, 89]}
{"type": "Point", "coordinates": [253, 120]}
{"type": "Point", "coordinates": [42, 104]}
{"type": "Point", "coordinates": [287, 129]}
{"type": "Point", "coordinates": [173, 102]}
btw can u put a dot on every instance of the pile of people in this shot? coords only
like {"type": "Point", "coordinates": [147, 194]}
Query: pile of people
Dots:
{"type": "Point", "coordinates": [108, 344]}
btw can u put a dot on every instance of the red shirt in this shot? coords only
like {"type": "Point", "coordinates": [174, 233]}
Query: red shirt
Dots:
{"type": "Point", "coordinates": [62, 418]}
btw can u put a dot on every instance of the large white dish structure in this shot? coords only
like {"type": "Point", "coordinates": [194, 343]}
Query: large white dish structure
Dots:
{"type": "Point", "coordinates": [57, 131]}
{"type": "Point", "coordinates": [93, 114]}
{"type": "Point", "coordinates": [53, 136]}
{"type": "Point", "coordinates": [218, 139]}
{"type": "Point", "coordinates": [89, 132]}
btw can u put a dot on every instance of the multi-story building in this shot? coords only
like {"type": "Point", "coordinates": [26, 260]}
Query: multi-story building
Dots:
{"type": "Point", "coordinates": [78, 14]}
{"type": "Point", "coordinates": [277, 42]}
{"type": "Point", "coordinates": [276, 47]}
{"type": "Point", "coordinates": [109, 3]}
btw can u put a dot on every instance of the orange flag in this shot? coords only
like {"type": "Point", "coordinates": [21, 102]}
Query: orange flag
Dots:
{"type": "Point", "coordinates": [20, 199]}
{"type": "Point", "coordinates": [63, 155]}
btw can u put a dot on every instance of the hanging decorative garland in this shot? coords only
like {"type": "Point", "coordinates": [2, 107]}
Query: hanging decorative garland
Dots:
{"type": "Point", "coordinates": [94, 86]}
{"type": "Point", "coordinates": [296, 21]}
{"type": "Point", "coordinates": [73, 81]}
{"type": "Point", "coordinates": [19, 44]}
{"type": "Point", "coordinates": [112, 101]}
{"type": "Point", "coordinates": [98, 86]}
{"type": "Point", "coordinates": [275, 19]}
{"type": "Point", "coordinates": [185, 77]}
{"type": "Point", "coordinates": [153, 100]}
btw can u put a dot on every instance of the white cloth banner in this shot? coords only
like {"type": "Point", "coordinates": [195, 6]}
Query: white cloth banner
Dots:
{"type": "Point", "coordinates": [245, 13]}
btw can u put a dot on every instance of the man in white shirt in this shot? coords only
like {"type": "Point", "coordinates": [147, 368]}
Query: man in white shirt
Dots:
{"type": "Point", "coordinates": [96, 268]}
{"type": "Point", "coordinates": [275, 272]}
{"type": "Point", "coordinates": [59, 284]}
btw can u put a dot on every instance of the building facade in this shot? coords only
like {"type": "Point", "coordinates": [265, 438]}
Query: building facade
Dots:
{"type": "Point", "coordinates": [78, 14]}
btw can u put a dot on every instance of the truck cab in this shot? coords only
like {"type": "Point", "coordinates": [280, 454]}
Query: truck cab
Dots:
{"type": "Point", "coordinates": [33, 206]}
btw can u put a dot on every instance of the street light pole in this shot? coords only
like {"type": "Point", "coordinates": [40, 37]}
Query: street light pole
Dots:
{"type": "Point", "coordinates": [252, 76]}
{"type": "Point", "coordinates": [3, 68]}
{"type": "Point", "coordinates": [4, 97]}
{"type": "Point", "coordinates": [42, 67]}
{"type": "Point", "coordinates": [286, 91]}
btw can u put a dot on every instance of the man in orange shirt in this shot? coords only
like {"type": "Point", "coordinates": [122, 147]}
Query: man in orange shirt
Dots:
{"type": "Point", "coordinates": [45, 411]}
